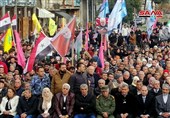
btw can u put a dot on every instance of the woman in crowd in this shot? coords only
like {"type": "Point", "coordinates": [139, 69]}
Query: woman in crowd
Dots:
{"type": "Point", "coordinates": [46, 104]}
{"type": "Point", "coordinates": [9, 104]}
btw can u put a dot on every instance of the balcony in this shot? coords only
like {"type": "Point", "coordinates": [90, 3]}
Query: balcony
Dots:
{"type": "Point", "coordinates": [17, 2]}
{"type": "Point", "coordinates": [60, 4]}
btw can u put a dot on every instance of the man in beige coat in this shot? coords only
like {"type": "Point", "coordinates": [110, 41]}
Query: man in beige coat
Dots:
{"type": "Point", "coordinates": [61, 77]}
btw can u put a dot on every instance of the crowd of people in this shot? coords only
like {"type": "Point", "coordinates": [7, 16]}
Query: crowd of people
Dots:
{"type": "Point", "coordinates": [134, 82]}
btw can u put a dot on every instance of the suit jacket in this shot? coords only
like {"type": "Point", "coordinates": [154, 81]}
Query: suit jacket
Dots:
{"type": "Point", "coordinates": [70, 100]}
{"type": "Point", "coordinates": [160, 105]}
{"type": "Point", "coordinates": [152, 92]}
{"type": "Point", "coordinates": [147, 107]}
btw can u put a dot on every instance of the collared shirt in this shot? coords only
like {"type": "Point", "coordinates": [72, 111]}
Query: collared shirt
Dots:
{"type": "Point", "coordinates": [144, 98]}
{"type": "Point", "coordinates": [165, 97]}
{"type": "Point", "coordinates": [64, 97]}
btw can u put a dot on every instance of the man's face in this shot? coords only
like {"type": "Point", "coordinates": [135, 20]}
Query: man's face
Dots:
{"type": "Point", "coordinates": [9, 76]}
{"type": "Point", "coordinates": [91, 70]}
{"type": "Point", "coordinates": [101, 84]}
{"type": "Point", "coordinates": [1, 85]}
{"type": "Point", "coordinates": [110, 77]}
{"type": "Point", "coordinates": [105, 93]}
{"type": "Point", "coordinates": [65, 90]}
{"type": "Point", "coordinates": [84, 91]}
{"type": "Point", "coordinates": [41, 72]}
{"type": "Point", "coordinates": [104, 76]}
{"type": "Point", "coordinates": [94, 64]}
{"type": "Point", "coordinates": [144, 91]}
{"type": "Point", "coordinates": [165, 90]}
{"type": "Point", "coordinates": [124, 90]}
{"type": "Point", "coordinates": [27, 77]}
{"type": "Point", "coordinates": [63, 68]}
{"type": "Point", "coordinates": [126, 76]}
{"type": "Point", "coordinates": [27, 94]}
{"type": "Point", "coordinates": [82, 68]}
{"type": "Point", "coordinates": [139, 85]}
{"type": "Point", "coordinates": [156, 85]}
{"type": "Point", "coordinates": [17, 83]}
{"type": "Point", "coordinates": [102, 22]}
{"type": "Point", "coordinates": [1, 70]}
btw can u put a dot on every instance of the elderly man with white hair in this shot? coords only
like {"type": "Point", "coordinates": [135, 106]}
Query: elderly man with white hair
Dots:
{"type": "Point", "coordinates": [156, 90]}
{"type": "Point", "coordinates": [162, 102]}
{"type": "Point", "coordinates": [64, 102]}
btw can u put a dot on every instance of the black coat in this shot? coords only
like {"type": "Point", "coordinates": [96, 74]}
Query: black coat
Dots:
{"type": "Point", "coordinates": [147, 107]}
{"type": "Point", "coordinates": [125, 104]}
{"type": "Point", "coordinates": [152, 92]}
{"type": "Point", "coordinates": [76, 80]}
{"type": "Point", "coordinates": [88, 103]}
{"type": "Point", "coordinates": [27, 106]}
{"type": "Point", "coordinates": [3, 93]}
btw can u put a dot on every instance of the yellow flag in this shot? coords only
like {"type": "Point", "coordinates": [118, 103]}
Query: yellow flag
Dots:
{"type": "Point", "coordinates": [36, 23]}
{"type": "Point", "coordinates": [8, 40]}
{"type": "Point", "coordinates": [52, 27]}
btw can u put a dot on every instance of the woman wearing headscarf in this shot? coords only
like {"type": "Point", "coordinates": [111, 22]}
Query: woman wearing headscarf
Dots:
{"type": "Point", "coordinates": [46, 106]}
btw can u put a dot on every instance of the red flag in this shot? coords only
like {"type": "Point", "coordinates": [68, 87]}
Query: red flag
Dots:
{"type": "Point", "coordinates": [14, 22]}
{"type": "Point", "coordinates": [101, 54]}
{"type": "Point", "coordinates": [61, 41]}
{"type": "Point", "coordinates": [5, 22]}
{"type": "Point", "coordinates": [20, 54]}
{"type": "Point", "coordinates": [2, 36]}
{"type": "Point", "coordinates": [86, 37]}
{"type": "Point", "coordinates": [42, 43]}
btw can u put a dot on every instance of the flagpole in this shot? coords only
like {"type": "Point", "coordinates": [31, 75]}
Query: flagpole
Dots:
{"type": "Point", "coordinates": [120, 28]}
{"type": "Point", "coordinates": [72, 51]}
{"type": "Point", "coordinates": [108, 49]}
{"type": "Point", "coordinates": [13, 35]}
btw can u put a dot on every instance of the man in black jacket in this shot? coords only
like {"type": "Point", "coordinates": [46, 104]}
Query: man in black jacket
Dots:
{"type": "Point", "coordinates": [85, 103]}
{"type": "Point", "coordinates": [145, 104]}
{"type": "Point", "coordinates": [27, 105]}
{"type": "Point", "coordinates": [78, 78]}
{"type": "Point", "coordinates": [125, 103]}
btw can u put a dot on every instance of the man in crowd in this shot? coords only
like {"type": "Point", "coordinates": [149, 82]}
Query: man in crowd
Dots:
{"type": "Point", "coordinates": [85, 103]}
{"type": "Point", "coordinates": [105, 104]}
{"type": "Point", "coordinates": [126, 103]}
{"type": "Point", "coordinates": [64, 102]}
{"type": "Point", "coordinates": [62, 76]}
{"type": "Point", "coordinates": [162, 102]}
{"type": "Point", "coordinates": [27, 106]}
{"type": "Point", "coordinates": [39, 82]}
{"type": "Point", "coordinates": [145, 103]}
{"type": "Point", "coordinates": [78, 78]}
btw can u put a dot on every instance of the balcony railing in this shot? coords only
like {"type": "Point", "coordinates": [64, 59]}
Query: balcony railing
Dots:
{"type": "Point", "coordinates": [18, 2]}
{"type": "Point", "coordinates": [59, 4]}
